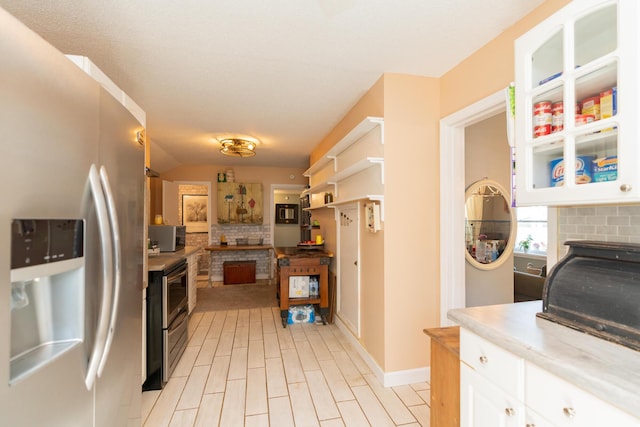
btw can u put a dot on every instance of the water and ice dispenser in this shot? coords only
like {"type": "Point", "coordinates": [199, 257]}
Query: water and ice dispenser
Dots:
{"type": "Point", "coordinates": [47, 291]}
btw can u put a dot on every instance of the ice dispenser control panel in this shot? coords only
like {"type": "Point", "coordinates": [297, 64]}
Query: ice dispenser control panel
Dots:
{"type": "Point", "coordinates": [42, 241]}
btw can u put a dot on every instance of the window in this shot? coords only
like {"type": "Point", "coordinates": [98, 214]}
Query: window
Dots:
{"type": "Point", "coordinates": [532, 221]}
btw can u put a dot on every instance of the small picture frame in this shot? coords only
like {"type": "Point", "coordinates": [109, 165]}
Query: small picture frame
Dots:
{"type": "Point", "coordinates": [195, 212]}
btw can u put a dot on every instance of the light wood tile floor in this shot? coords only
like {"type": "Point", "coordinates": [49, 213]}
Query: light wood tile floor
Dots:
{"type": "Point", "coordinates": [242, 368]}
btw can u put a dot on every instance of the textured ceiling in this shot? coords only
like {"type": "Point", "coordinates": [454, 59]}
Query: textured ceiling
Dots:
{"type": "Point", "coordinates": [282, 71]}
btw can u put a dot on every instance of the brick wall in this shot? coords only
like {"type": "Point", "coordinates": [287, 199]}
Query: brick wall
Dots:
{"type": "Point", "coordinates": [264, 259]}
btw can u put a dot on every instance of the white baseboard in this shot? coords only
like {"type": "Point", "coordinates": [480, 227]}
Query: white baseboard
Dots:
{"type": "Point", "coordinates": [388, 379]}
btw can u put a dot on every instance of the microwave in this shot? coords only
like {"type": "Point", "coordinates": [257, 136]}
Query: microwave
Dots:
{"type": "Point", "coordinates": [169, 238]}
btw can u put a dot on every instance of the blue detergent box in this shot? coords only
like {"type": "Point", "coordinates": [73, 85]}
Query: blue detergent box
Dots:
{"type": "Point", "coordinates": [605, 169]}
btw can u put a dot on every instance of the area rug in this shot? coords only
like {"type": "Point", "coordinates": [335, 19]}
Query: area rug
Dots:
{"type": "Point", "coordinates": [236, 297]}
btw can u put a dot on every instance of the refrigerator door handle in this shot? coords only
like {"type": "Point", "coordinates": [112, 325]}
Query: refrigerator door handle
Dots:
{"type": "Point", "coordinates": [117, 265]}
{"type": "Point", "coordinates": [107, 276]}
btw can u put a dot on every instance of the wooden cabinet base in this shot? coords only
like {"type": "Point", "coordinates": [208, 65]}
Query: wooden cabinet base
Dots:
{"type": "Point", "coordinates": [445, 376]}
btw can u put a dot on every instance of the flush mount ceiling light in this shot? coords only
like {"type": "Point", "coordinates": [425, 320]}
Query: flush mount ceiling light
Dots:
{"type": "Point", "coordinates": [238, 147]}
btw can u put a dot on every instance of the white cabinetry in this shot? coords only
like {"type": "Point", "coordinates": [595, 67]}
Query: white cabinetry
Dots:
{"type": "Point", "coordinates": [491, 384]}
{"type": "Point", "coordinates": [353, 169]}
{"type": "Point", "coordinates": [192, 280]}
{"type": "Point", "coordinates": [552, 401]}
{"type": "Point", "coordinates": [585, 59]}
{"type": "Point", "coordinates": [498, 388]}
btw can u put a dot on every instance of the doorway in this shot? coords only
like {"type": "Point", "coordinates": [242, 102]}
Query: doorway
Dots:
{"type": "Point", "coordinates": [288, 232]}
{"type": "Point", "coordinates": [452, 189]}
{"type": "Point", "coordinates": [173, 197]}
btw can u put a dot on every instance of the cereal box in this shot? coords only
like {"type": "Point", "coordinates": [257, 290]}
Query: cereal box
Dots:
{"type": "Point", "coordinates": [605, 169]}
{"type": "Point", "coordinates": [591, 107]}
{"type": "Point", "coordinates": [608, 103]}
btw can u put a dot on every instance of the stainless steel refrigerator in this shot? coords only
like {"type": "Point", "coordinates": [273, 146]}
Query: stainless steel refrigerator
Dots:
{"type": "Point", "coordinates": [71, 242]}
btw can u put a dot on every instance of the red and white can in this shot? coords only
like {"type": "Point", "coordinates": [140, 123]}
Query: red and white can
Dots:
{"type": "Point", "coordinates": [583, 119]}
{"type": "Point", "coordinates": [541, 118]}
{"type": "Point", "coordinates": [557, 116]}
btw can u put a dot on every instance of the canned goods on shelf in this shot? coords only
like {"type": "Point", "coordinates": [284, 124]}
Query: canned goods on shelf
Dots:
{"type": "Point", "coordinates": [541, 118]}
{"type": "Point", "coordinates": [557, 116]}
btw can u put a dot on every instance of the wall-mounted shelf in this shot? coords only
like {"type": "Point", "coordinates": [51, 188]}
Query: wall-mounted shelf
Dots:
{"type": "Point", "coordinates": [351, 170]}
{"type": "Point", "coordinates": [366, 126]}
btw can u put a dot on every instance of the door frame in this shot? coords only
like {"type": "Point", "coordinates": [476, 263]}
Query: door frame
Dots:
{"type": "Point", "coordinates": [452, 189]}
{"type": "Point", "coordinates": [272, 203]}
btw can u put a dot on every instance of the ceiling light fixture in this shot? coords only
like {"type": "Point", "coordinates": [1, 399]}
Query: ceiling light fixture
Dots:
{"type": "Point", "coordinates": [238, 147]}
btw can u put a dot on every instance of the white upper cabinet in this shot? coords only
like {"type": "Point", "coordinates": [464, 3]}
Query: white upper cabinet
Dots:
{"type": "Point", "coordinates": [577, 94]}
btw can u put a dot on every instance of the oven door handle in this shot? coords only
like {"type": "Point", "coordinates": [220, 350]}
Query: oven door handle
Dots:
{"type": "Point", "coordinates": [176, 275]}
{"type": "Point", "coordinates": [178, 320]}
{"type": "Point", "coordinates": [117, 266]}
{"type": "Point", "coordinates": [106, 243]}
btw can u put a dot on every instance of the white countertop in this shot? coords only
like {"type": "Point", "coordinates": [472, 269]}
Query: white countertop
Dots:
{"type": "Point", "coordinates": [607, 370]}
{"type": "Point", "coordinates": [166, 259]}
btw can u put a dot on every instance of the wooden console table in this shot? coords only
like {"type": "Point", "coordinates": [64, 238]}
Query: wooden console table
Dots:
{"type": "Point", "coordinates": [445, 376]}
{"type": "Point", "coordinates": [293, 261]}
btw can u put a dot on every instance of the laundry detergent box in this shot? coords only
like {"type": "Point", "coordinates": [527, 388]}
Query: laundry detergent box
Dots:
{"type": "Point", "coordinates": [584, 170]}
{"type": "Point", "coordinates": [605, 169]}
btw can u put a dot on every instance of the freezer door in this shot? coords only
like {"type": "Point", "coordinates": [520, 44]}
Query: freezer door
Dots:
{"type": "Point", "coordinates": [118, 391]}
{"type": "Point", "coordinates": [48, 134]}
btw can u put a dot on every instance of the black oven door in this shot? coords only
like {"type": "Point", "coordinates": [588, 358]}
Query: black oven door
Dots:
{"type": "Point", "coordinates": [174, 293]}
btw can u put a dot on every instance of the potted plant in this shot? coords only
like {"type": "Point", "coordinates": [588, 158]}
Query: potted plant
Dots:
{"type": "Point", "coordinates": [525, 244]}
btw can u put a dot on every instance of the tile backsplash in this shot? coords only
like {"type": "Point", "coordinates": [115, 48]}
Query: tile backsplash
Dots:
{"type": "Point", "coordinates": [616, 223]}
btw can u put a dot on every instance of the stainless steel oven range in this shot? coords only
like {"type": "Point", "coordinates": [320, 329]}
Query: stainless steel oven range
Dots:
{"type": "Point", "coordinates": [167, 322]}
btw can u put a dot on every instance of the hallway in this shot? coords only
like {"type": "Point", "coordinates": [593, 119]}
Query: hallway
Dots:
{"type": "Point", "coordinates": [241, 368]}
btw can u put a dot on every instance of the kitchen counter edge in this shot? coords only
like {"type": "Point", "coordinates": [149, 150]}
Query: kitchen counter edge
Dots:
{"type": "Point", "coordinates": [167, 259]}
{"type": "Point", "coordinates": [605, 369]}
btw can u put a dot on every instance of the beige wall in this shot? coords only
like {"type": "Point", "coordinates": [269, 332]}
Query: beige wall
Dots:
{"type": "Point", "coordinates": [399, 263]}
{"type": "Point", "coordinates": [490, 68]}
{"type": "Point", "coordinates": [265, 175]}
{"type": "Point", "coordinates": [412, 107]}
{"type": "Point", "coordinates": [412, 216]}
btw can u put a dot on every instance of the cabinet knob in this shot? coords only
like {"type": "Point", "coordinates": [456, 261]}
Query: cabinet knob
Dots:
{"type": "Point", "coordinates": [530, 425]}
{"type": "Point", "coordinates": [569, 412]}
{"type": "Point", "coordinates": [483, 359]}
{"type": "Point", "coordinates": [510, 412]}
{"type": "Point", "coordinates": [625, 188]}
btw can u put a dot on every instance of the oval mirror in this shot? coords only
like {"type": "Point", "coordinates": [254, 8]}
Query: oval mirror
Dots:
{"type": "Point", "coordinates": [490, 225]}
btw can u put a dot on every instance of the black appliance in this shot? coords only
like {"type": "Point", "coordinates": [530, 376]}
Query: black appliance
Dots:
{"type": "Point", "coordinates": [595, 289]}
{"type": "Point", "coordinates": [167, 322]}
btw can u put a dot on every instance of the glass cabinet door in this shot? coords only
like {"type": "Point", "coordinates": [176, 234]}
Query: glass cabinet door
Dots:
{"type": "Point", "coordinates": [572, 72]}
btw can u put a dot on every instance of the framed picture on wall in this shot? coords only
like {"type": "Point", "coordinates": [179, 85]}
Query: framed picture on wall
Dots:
{"type": "Point", "coordinates": [194, 212]}
{"type": "Point", "coordinates": [239, 203]}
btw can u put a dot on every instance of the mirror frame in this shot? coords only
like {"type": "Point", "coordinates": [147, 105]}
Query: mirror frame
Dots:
{"type": "Point", "coordinates": [508, 250]}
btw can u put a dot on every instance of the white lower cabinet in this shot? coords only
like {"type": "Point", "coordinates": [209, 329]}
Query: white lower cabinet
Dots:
{"type": "Point", "coordinates": [498, 388]}
{"type": "Point", "coordinates": [483, 404]}
{"type": "Point", "coordinates": [192, 280]}
{"type": "Point", "coordinates": [564, 404]}
{"type": "Point", "coordinates": [491, 384]}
